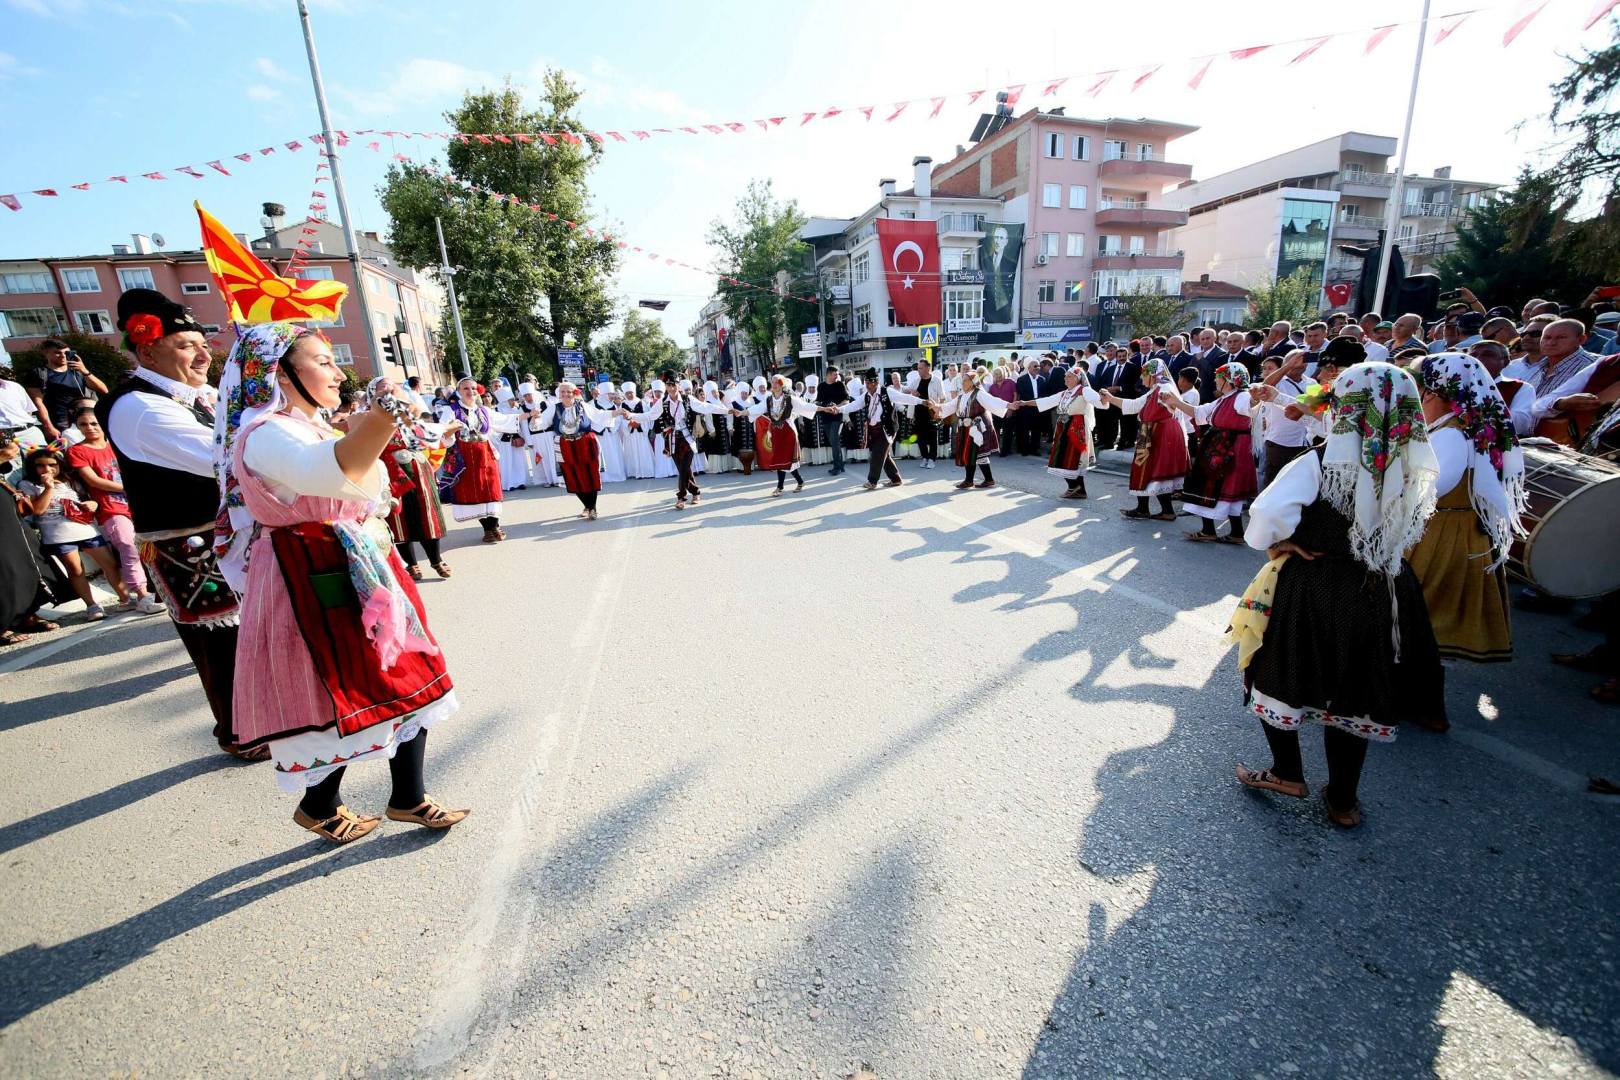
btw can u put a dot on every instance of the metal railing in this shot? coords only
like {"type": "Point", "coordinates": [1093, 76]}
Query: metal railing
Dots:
{"type": "Point", "coordinates": [960, 223]}
{"type": "Point", "coordinates": [1430, 209]}
{"type": "Point", "coordinates": [1109, 202]}
{"type": "Point", "coordinates": [1356, 221]}
{"type": "Point", "coordinates": [1152, 253]}
{"type": "Point", "coordinates": [1370, 179]}
{"type": "Point", "coordinates": [1133, 155]}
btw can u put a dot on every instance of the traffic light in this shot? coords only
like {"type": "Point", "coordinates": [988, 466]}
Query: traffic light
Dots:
{"type": "Point", "coordinates": [390, 354]}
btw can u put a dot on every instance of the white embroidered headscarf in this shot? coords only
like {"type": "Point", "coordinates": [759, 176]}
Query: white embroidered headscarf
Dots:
{"type": "Point", "coordinates": [1379, 469]}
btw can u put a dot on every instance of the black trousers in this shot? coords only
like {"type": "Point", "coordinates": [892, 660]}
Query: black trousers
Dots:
{"type": "Point", "coordinates": [1005, 426]}
{"type": "Point", "coordinates": [213, 651]}
{"type": "Point", "coordinates": [407, 551]}
{"type": "Point", "coordinates": [1277, 457]}
{"type": "Point", "coordinates": [1128, 426]}
{"type": "Point", "coordinates": [1107, 430]}
{"type": "Point", "coordinates": [1029, 434]}
{"type": "Point", "coordinates": [927, 432]}
{"type": "Point", "coordinates": [682, 454]}
{"type": "Point", "coordinates": [880, 451]}
{"type": "Point", "coordinates": [1346, 753]}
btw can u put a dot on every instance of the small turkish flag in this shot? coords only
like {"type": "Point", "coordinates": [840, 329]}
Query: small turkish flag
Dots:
{"type": "Point", "coordinates": [1338, 294]}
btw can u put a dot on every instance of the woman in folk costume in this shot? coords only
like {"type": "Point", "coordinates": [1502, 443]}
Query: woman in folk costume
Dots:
{"type": "Point", "coordinates": [335, 663]}
{"type": "Point", "coordinates": [575, 425]}
{"type": "Point", "coordinates": [414, 516]}
{"type": "Point", "coordinates": [718, 445]}
{"type": "Point", "coordinates": [976, 410]}
{"type": "Point", "coordinates": [1334, 629]}
{"type": "Point", "coordinates": [1159, 467]}
{"type": "Point", "coordinates": [1071, 452]}
{"type": "Point", "coordinates": [606, 442]}
{"type": "Point", "coordinates": [511, 448]}
{"type": "Point", "coordinates": [1481, 500]}
{"type": "Point", "coordinates": [470, 476]}
{"type": "Point", "coordinates": [743, 438]}
{"type": "Point", "coordinates": [542, 448]}
{"type": "Point", "coordinates": [633, 444]}
{"type": "Point", "coordinates": [1223, 479]}
{"type": "Point", "coordinates": [776, 434]}
{"type": "Point", "coordinates": [813, 448]}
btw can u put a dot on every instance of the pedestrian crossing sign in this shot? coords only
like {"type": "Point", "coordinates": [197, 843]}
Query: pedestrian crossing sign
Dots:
{"type": "Point", "coordinates": [928, 336]}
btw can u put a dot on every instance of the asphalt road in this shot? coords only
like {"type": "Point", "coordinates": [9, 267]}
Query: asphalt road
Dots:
{"type": "Point", "coordinates": [913, 782]}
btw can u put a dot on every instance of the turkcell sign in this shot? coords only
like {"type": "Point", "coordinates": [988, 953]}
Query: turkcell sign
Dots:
{"type": "Point", "coordinates": [1054, 331]}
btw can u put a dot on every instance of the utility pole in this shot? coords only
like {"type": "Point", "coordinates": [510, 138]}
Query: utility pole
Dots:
{"type": "Point", "coordinates": [1395, 196]}
{"type": "Point", "coordinates": [331, 147]}
{"type": "Point", "coordinates": [449, 274]}
{"type": "Point", "coordinates": [821, 322]}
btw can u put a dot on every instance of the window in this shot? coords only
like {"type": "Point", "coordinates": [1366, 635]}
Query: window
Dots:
{"type": "Point", "coordinates": [374, 284]}
{"type": "Point", "coordinates": [964, 304]}
{"type": "Point", "coordinates": [1304, 239]}
{"type": "Point", "coordinates": [1051, 194]}
{"type": "Point", "coordinates": [1054, 144]}
{"type": "Point", "coordinates": [1082, 148]}
{"type": "Point", "coordinates": [891, 315]}
{"type": "Point", "coordinates": [1405, 232]}
{"type": "Point", "coordinates": [81, 279]}
{"type": "Point", "coordinates": [385, 323]}
{"type": "Point", "coordinates": [863, 267]}
{"type": "Point", "coordinates": [1047, 293]}
{"type": "Point", "coordinates": [1071, 291]}
{"type": "Point", "coordinates": [31, 322]}
{"type": "Point", "coordinates": [1144, 151]}
{"type": "Point", "coordinates": [1077, 196]}
{"type": "Point", "coordinates": [1354, 171]}
{"type": "Point", "coordinates": [1077, 243]}
{"type": "Point", "coordinates": [193, 288]}
{"type": "Point", "coordinates": [316, 273]}
{"type": "Point", "coordinates": [863, 319]}
{"type": "Point", "coordinates": [136, 277]}
{"type": "Point", "coordinates": [1110, 244]}
{"type": "Point", "coordinates": [1113, 149]}
{"type": "Point", "coordinates": [343, 355]}
{"type": "Point", "coordinates": [93, 322]}
{"type": "Point", "coordinates": [1049, 244]}
{"type": "Point", "coordinates": [27, 283]}
{"type": "Point", "coordinates": [1138, 245]}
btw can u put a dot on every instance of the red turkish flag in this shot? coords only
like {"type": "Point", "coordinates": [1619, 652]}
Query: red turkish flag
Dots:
{"type": "Point", "coordinates": [1338, 294]}
{"type": "Point", "coordinates": [911, 269]}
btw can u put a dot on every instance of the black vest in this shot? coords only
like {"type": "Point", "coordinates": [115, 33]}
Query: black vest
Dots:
{"type": "Point", "coordinates": [891, 422]}
{"type": "Point", "coordinates": [161, 499]}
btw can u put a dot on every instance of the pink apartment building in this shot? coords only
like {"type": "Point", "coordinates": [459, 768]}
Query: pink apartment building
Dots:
{"type": "Point", "coordinates": [47, 296]}
{"type": "Point", "coordinates": [1094, 218]}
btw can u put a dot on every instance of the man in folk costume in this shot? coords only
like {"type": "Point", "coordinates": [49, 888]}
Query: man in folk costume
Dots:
{"type": "Point", "coordinates": [1461, 558]}
{"type": "Point", "coordinates": [1334, 630]}
{"type": "Point", "coordinates": [1071, 452]}
{"type": "Point", "coordinates": [337, 664]}
{"type": "Point", "coordinates": [162, 435]}
{"type": "Point", "coordinates": [415, 516]}
{"type": "Point", "coordinates": [575, 424]}
{"type": "Point", "coordinates": [672, 422]}
{"type": "Point", "coordinates": [975, 410]}
{"type": "Point", "coordinates": [882, 424]}
{"type": "Point", "coordinates": [1223, 478]}
{"type": "Point", "coordinates": [776, 434]}
{"type": "Point", "coordinates": [471, 476]}
{"type": "Point", "coordinates": [1159, 467]}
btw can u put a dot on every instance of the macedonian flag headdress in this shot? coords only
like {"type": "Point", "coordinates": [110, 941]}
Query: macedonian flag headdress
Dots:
{"type": "Point", "coordinates": [253, 292]}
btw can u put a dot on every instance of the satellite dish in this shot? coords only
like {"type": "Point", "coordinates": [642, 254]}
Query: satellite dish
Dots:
{"type": "Point", "coordinates": [157, 238]}
{"type": "Point", "coordinates": [265, 222]}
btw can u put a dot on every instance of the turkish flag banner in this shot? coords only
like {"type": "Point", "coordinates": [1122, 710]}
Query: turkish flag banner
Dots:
{"type": "Point", "coordinates": [911, 269]}
{"type": "Point", "coordinates": [1338, 294]}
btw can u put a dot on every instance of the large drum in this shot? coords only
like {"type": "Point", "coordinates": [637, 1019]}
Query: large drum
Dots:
{"type": "Point", "coordinates": [1573, 521]}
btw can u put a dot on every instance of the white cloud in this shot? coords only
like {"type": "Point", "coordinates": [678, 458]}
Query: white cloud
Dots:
{"type": "Point", "coordinates": [420, 82]}
{"type": "Point", "coordinates": [264, 94]}
{"type": "Point", "coordinates": [10, 66]}
{"type": "Point", "coordinates": [270, 69]}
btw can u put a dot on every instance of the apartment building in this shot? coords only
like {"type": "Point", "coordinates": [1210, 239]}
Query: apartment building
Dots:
{"type": "Point", "coordinates": [1095, 208]}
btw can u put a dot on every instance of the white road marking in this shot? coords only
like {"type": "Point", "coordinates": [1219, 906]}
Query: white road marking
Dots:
{"type": "Point", "coordinates": [79, 636]}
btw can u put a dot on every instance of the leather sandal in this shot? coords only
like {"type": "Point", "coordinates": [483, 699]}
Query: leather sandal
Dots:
{"type": "Point", "coordinates": [414, 571]}
{"type": "Point", "coordinates": [1264, 780]}
{"type": "Point", "coordinates": [343, 827]}
{"type": "Point", "coordinates": [442, 569]}
{"type": "Point", "coordinates": [1135, 515]}
{"type": "Point", "coordinates": [1344, 819]}
{"type": "Point", "coordinates": [1201, 537]}
{"type": "Point", "coordinates": [429, 813]}
{"type": "Point", "coordinates": [985, 484]}
{"type": "Point", "coordinates": [1164, 517]}
{"type": "Point", "coordinates": [256, 753]}
{"type": "Point", "coordinates": [964, 485]}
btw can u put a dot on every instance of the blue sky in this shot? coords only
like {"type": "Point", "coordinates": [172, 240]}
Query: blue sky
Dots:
{"type": "Point", "coordinates": [91, 88]}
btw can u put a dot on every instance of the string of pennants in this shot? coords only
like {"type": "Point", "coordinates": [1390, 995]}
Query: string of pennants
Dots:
{"type": "Point", "coordinates": [317, 211]}
{"type": "Point", "coordinates": [1091, 84]}
{"type": "Point", "coordinates": [622, 244]}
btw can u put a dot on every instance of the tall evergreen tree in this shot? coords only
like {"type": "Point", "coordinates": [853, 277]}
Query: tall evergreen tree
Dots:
{"type": "Point", "coordinates": [1512, 248]}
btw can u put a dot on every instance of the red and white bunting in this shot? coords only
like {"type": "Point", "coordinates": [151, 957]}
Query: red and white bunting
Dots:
{"type": "Point", "coordinates": [1306, 55]}
{"type": "Point", "coordinates": [1600, 9]}
{"type": "Point", "coordinates": [1521, 19]}
{"type": "Point", "coordinates": [1449, 27]}
{"type": "Point", "coordinates": [1377, 38]}
{"type": "Point", "coordinates": [1253, 50]}
{"type": "Point", "coordinates": [1098, 86]}
{"type": "Point", "coordinates": [1200, 69]}
{"type": "Point", "coordinates": [1144, 77]}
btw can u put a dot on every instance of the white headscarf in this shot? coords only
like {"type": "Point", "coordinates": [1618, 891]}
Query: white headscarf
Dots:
{"type": "Point", "coordinates": [760, 383]}
{"type": "Point", "coordinates": [1379, 469]}
{"type": "Point", "coordinates": [657, 386]}
{"type": "Point", "coordinates": [1495, 464]}
{"type": "Point", "coordinates": [628, 389]}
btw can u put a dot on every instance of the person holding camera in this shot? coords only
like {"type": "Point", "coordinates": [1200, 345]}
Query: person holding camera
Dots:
{"type": "Point", "coordinates": [55, 387]}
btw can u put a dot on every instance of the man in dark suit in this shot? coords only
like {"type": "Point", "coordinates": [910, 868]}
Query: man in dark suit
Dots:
{"type": "Point", "coordinates": [1128, 384]}
{"type": "Point", "coordinates": [1210, 356]}
{"type": "Point", "coordinates": [1029, 439]}
{"type": "Point", "coordinates": [1104, 370]}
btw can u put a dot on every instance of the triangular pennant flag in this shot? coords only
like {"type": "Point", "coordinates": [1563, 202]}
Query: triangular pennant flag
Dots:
{"type": "Point", "coordinates": [1201, 66]}
{"type": "Point", "coordinates": [46, 191]}
{"type": "Point", "coordinates": [867, 109]}
{"type": "Point", "coordinates": [1144, 77]}
{"type": "Point", "coordinates": [714, 129]}
{"type": "Point", "coordinates": [899, 107]}
{"type": "Point", "coordinates": [776, 121]}
{"type": "Point", "coordinates": [10, 202]}
{"type": "Point", "coordinates": [1014, 93]}
{"type": "Point", "coordinates": [243, 157]}
{"type": "Point", "coordinates": [617, 137]}
{"type": "Point", "coordinates": [594, 137]}
{"type": "Point", "coordinates": [189, 171]}
{"type": "Point", "coordinates": [1602, 8]}
{"type": "Point", "coordinates": [830, 113]}
{"type": "Point", "coordinates": [570, 138]}
{"type": "Point", "coordinates": [1097, 87]}
{"type": "Point", "coordinates": [547, 139]}
{"type": "Point", "coordinates": [763, 126]}
{"type": "Point", "coordinates": [1450, 28]}
{"type": "Point", "coordinates": [1052, 87]}
{"type": "Point", "coordinates": [217, 167]}
{"type": "Point", "coordinates": [402, 157]}
{"type": "Point", "coordinates": [81, 187]}
{"type": "Point", "coordinates": [736, 126]}
{"type": "Point", "coordinates": [504, 139]}
{"type": "Point", "coordinates": [1317, 44]}
{"type": "Point", "coordinates": [939, 101]}
{"type": "Point", "coordinates": [119, 179]}
{"type": "Point", "coordinates": [342, 139]}
{"type": "Point", "coordinates": [295, 146]}
{"type": "Point", "coordinates": [975, 96]}
{"type": "Point", "coordinates": [809, 116]}
{"type": "Point", "coordinates": [1244, 54]}
{"type": "Point", "coordinates": [154, 176]}
{"type": "Point", "coordinates": [485, 139]}
{"type": "Point", "coordinates": [1521, 19]}
{"type": "Point", "coordinates": [524, 138]}
{"type": "Point", "coordinates": [689, 130]}
{"type": "Point", "coordinates": [1377, 38]}
{"type": "Point", "coordinates": [267, 150]}
{"type": "Point", "coordinates": [374, 146]}
{"type": "Point", "coordinates": [317, 139]}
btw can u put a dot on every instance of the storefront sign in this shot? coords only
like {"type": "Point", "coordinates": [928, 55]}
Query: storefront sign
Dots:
{"type": "Point", "coordinates": [964, 277]}
{"type": "Point", "coordinates": [963, 326]}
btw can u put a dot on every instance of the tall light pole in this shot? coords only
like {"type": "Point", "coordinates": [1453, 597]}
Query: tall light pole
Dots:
{"type": "Point", "coordinates": [331, 147]}
{"type": "Point", "coordinates": [448, 272]}
{"type": "Point", "coordinates": [1400, 170]}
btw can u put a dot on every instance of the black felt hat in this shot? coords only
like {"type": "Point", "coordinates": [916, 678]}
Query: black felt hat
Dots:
{"type": "Point", "coordinates": [172, 318]}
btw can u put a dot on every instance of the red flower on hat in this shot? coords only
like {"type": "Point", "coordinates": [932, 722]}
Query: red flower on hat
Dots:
{"type": "Point", "coordinates": [143, 329]}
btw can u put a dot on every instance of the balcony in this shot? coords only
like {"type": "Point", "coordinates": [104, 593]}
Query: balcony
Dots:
{"type": "Point", "coordinates": [960, 225]}
{"type": "Point", "coordinates": [1138, 212]}
{"type": "Point", "coordinates": [1356, 227]}
{"type": "Point", "coordinates": [1156, 259]}
{"type": "Point", "coordinates": [1155, 168]}
{"type": "Point", "coordinates": [1365, 185]}
{"type": "Point", "coordinates": [1431, 210]}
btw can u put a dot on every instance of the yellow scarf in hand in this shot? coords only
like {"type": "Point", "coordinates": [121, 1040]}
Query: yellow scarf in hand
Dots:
{"type": "Point", "coordinates": [1248, 627]}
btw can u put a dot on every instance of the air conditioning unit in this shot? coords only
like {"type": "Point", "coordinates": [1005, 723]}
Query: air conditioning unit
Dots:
{"type": "Point", "coordinates": [1040, 260]}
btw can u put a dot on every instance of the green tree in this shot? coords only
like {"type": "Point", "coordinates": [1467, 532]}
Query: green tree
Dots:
{"type": "Point", "coordinates": [1586, 162]}
{"type": "Point", "coordinates": [525, 278]}
{"type": "Point", "coordinates": [1511, 248]}
{"type": "Point", "coordinates": [639, 352]}
{"type": "Point", "coordinates": [1151, 312]}
{"type": "Point", "coordinates": [760, 245]}
{"type": "Point", "coordinates": [103, 360]}
{"type": "Point", "coordinates": [1292, 298]}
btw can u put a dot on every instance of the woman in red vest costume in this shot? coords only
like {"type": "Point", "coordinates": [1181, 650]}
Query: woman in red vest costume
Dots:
{"type": "Point", "coordinates": [575, 424]}
{"type": "Point", "coordinates": [976, 434]}
{"type": "Point", "coordinates": [471, 475]}
{"type": "Point", "coordinates": [1159, 468]}
{"type": "Point", "coordinates": [335, 664]}
{"type": "Point", "coordinates": [775, 433]}
{"type": "Point", "coordinates": [1223, 480]}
